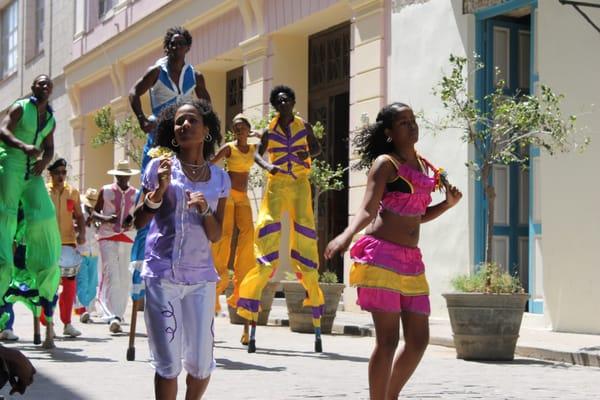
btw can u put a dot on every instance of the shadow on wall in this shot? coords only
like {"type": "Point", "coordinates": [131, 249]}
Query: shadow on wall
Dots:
{"type": "Point", "coordinates": [457, 8]}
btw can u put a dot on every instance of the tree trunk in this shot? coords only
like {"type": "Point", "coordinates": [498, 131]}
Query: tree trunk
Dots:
{"type": "Point", "coordinates": [254, 198]}
{"type": "Point", "coordinates": [490, 194]}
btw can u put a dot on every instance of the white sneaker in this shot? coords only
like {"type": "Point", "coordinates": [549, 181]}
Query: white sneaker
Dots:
{"type": "Point", "coordinates": [85, 318]}
{"type": "Point", "coordinates": [8, 334]}
{"type": "Point", "coordinates": [71, 331]}
{"type": "Point", "coordinates": [115, 326]}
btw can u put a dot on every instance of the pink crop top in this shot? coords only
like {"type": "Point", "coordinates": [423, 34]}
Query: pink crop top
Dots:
{"type": "Point", "coordinates": [410, 193]}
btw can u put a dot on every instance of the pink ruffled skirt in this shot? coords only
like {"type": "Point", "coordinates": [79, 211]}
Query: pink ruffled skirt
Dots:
{"type": "Point", "coordinates": [389, 277]}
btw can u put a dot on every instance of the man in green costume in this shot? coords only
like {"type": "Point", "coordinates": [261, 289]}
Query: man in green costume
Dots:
{"type": "Point", "coordinates": [26, 140]}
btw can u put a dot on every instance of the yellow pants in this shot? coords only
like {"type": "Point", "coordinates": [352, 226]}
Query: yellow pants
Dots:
{"type": "Point", "coordinates": [238, 213]}
{"type": "Point", "coordinates": [284, 193]}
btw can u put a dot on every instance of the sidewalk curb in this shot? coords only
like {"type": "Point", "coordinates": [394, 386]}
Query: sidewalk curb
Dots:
{"type": "Point", "coordinates": [582, 358]}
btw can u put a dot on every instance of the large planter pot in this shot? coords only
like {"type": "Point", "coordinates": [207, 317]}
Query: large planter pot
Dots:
{"type": "Point", "coordinates": [485, 326]}
{"type": "Point", "coordinates": [300, 317]}
{"type": "Point", "coordinates": [266, 301]}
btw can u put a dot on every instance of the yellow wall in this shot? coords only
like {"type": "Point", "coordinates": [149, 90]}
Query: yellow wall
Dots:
{"type": "Point", "coordinates": [98, 160]}
{"type": "Point", "coordinates": [289, 60]}
{"type": "Point", "coordinates": [216, 86]}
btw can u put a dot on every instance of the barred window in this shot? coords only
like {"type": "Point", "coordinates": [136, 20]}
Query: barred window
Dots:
{"type": "Point", "coordinates": [39, 25]}
{"type": "Point", "coordinates": [9, 20]}
{"type": "Point", "coordinates": [104, 6]}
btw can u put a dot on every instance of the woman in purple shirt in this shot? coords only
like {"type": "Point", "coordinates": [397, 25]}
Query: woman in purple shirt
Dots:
{"type": "Point", "coordinates": [184, 203]}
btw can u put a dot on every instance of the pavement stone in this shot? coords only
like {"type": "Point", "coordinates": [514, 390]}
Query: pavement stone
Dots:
{"type": "Point", "coordinates": [535, 341]}
{"type": "Point", "coordinates": [93, 367]}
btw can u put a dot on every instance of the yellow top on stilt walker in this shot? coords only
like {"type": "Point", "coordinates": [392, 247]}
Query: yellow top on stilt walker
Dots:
{"type": "Point", "coordinates": [283, 146]}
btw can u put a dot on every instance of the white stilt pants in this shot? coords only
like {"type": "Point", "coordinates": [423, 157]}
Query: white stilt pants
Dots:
{"type": "Point", "coordinates": [115, 279]}
{"type": "Point", "coordinates": [180, 325]}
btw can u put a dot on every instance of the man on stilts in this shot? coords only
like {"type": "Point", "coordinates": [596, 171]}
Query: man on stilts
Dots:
{"type": "Point", "coordinates": [26, 133]}
{"type": "Point", "coordinates": [170, 79]}
{"type": "Point", "coordinates": [291, 143]}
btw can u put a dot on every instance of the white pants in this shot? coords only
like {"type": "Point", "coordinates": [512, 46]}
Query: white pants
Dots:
{"type": "Point", "coordinates": [180, 325]}
{"type": "Point", "coordinates": [115, 279]}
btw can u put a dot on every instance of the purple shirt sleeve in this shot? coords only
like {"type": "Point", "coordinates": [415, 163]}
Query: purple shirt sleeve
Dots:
{"type": "Point", "coordinates": [150, 177]}
{"type": "Point", "coordinates": [226, 185]}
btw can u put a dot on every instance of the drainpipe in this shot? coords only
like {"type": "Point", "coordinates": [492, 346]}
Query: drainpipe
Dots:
{"type": "Point", "coordinates": [50, 43]}
{"type": "Point", "coordinates": [21, 70]}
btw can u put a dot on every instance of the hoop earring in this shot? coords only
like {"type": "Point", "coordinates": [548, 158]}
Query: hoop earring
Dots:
{"type": "Point", "coordinates": [174, 143]}
{"type": "Point", "coordinates": [208, 137]}
{"type": "Point", "coordinates": [389, 139]}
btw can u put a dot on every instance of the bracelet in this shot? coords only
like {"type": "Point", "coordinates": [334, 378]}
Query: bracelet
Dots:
{"type": "Point", "coordinates": [148, 209]}
{"type": "Point", "coordinates": [150, 204]}
{"type": "Point", "coordinates": [206, 212]}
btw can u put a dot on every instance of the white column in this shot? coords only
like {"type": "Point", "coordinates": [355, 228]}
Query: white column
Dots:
{"type": "Point", "coordinates": [368, 88]}
{"type": "Point", "coordinates": [78, 159]}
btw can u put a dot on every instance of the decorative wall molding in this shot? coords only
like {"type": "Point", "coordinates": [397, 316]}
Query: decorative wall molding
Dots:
{"type": "Point", "coordinates": [471, 6]}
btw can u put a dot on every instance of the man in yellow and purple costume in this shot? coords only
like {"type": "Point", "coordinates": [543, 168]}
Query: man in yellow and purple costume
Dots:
{"type": "Point", "coordinates": [290, 143]}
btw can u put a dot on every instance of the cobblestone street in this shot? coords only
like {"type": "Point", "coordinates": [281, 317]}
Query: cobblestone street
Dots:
{"type": "Point", "coordinates": [94, 367]}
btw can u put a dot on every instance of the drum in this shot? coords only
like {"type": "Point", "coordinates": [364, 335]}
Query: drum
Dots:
{"type": "Point", "coordinates": [69, 262]}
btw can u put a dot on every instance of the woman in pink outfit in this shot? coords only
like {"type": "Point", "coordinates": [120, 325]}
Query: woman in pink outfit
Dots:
{"type": "Point", "coordinates": [388, 269]}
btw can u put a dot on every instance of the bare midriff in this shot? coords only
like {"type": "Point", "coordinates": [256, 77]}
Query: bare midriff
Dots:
{"type": "Point", "coordinates": [239, 180]}
{"type": "Point", "coordinates": [398, 229]}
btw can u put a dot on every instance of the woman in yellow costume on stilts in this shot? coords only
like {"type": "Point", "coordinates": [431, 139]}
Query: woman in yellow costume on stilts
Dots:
{"type": "Point", "coordinates": [238, 213]}
{"type": "Point", "coordinates": [291, 143]}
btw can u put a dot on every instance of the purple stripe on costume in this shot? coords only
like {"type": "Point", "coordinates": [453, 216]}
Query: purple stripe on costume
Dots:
{"type": "Point", "coordinates": [282, 160]}
{"type": "Point", "coordinates": [310, 233]}
{"type": "Point", "coordinates": [297, 148]}
{"type": "Point", "coordinates": [297, 160]}
{"type": "Point", "coordinates": [268, 258]}
{"type": "Point", "coordinates": [268, 229]}
{"type": "Point", "coordinates": [278, 138]}
{"type": "Point", "coordinates": [287, 149]}
{"type": "Point", "coordinates": [317, 312]}
{"type": "Point", "coordinates": [299, 135]}
{"type": "Point", "coordinates": [296, 256]}
{"type": "Point", "coordinates": [249, 304]}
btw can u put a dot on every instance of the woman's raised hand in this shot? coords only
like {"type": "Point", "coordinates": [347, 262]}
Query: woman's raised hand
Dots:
{"type": "Point", "coordinates": [164, 174]}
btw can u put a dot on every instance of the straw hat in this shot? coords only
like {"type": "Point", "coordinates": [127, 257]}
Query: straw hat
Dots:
{"type": "Point", "coordinates": [123, 169]}
{"type": "Point", "coordinates": [241, 117]}
{"type": "Point", "coordinates": [90, 197]}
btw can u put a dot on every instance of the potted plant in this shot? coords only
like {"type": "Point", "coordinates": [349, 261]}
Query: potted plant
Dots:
{"type": "Point", "coordinates": [486, 313]}
{"type": "Point", "coordinates": [487, 319]}
{"type": "Point", "coordinates": [300, 317]}
{"type": "Point", "coordinates": [323, 178]}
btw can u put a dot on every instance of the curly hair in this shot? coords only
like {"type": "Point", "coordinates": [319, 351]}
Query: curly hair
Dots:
{"type": "Point", "coordinates": [281, 89]}
{"type": "Point", "coordinates": [59, 162]}
{"type": "Point", "coordinates": [165, 131]}
{"type": "Point", "coordinates": [176, 30]}
{"type": "Point", "coordinates": [371, 141]}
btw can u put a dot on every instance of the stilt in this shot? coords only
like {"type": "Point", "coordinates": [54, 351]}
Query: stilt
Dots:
{"type": "Point", "coordinates": [245, 337]}
{"type": "Point", "coordinates": [252, 342]}
{"type": "Point", "coordinates": [318, 342]}
{"type": "Point", "coordinates": [37, 338]}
